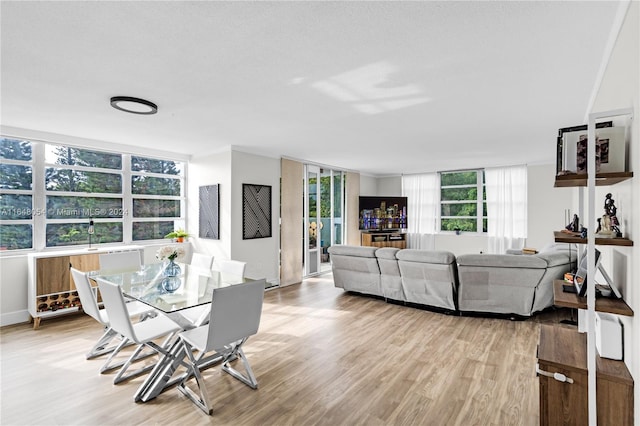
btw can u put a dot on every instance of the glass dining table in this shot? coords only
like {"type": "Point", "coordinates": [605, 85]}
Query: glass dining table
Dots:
{"type": "Point", "coordinates": [171, 295]}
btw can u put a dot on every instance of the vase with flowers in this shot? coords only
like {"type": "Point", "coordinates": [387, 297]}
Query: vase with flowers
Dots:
{"type": "Point", "coordinates": [172, 254]}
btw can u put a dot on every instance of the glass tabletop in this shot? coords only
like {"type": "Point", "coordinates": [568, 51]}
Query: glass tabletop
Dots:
{"type": "Point", "coordinates": [192, 287]}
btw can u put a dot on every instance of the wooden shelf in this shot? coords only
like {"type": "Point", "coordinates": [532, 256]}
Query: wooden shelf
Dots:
{"type": "Point", "coordinates": [575, 238]}
{"type": "Point", "coordinates": [602, 179]}
{"type": "Point", "coordinates": [566, 347]}
{"type": "Point", "coordinates": [564, 351]}
{"type": "Point", "coordinates": [603, 304]}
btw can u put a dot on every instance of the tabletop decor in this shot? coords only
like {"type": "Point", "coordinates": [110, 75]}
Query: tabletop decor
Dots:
{"type": "Point", "coordinates": [179, 235]}
{"type": "Point", "coordinates": [171, 284]}
{"type": "Point", "coordinates": [172, 254]}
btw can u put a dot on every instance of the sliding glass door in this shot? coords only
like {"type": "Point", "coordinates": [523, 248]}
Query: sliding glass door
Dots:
{"type": "Point", "coordinates": [323, 206]}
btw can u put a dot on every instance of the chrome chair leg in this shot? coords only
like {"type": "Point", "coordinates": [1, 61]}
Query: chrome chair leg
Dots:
{"type": "Point", "coordinates": [137, 356]}
{"type": "Point", "coordinates": [201, 400]}
{"type": "Point", "coordinates": [249, 379]}
{"type": "Point", "coordinates": [101, 347]}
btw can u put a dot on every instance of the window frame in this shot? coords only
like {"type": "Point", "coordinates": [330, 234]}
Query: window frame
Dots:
{"type": "Point", "coordinates": [480, 201]}
{"type": "Point", "coordinates": [39, 193]}
{"type": "Point", "coordinates": [35, 211]}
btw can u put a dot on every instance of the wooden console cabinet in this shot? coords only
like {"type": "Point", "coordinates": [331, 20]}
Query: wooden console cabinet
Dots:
{"type": "Point", "coordinates": [395, 239]}
{"type": "Point", "coordinates": [563, 351]}
{"type": "Point", "coordinates": [51, 290]}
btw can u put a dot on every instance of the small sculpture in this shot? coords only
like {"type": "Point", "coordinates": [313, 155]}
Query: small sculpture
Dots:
{"type": "Point", "coordinates": [608, 224]}
{"type": "Point", "coordinates": [574, 226]}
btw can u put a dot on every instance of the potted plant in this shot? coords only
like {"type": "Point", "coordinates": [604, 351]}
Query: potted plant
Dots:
{"type": "Point", "coordinates": [179, 235]}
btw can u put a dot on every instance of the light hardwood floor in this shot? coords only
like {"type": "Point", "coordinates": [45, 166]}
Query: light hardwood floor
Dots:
{"type": "Point", "coordinates": [322, 357]}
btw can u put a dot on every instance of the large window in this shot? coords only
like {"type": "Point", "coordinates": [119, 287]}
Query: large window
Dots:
{"type": "Point", "coordinates": [16, 194]}
{"type": "Point", "coordinates": [156, 190]}
{"type": "Point", "coordinates": [59, 189]}
{"type": "Point", "coordinates": [82, 185]}
{"type": "Point", "coordinates": [463, 203]}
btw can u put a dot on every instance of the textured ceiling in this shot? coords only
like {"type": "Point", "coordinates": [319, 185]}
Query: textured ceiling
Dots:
{"type": "Point", "coordinates": [378, 87]}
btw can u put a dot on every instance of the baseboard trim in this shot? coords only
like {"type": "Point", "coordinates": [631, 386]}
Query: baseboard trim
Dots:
{"type": "Point", "coordinates": [16, 317]}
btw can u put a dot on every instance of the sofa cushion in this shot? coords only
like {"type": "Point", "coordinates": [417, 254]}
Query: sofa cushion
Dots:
{"type": "Point", "coordinates": [426, 256]}
{"type": "Point", "coordinates": [358, 251]}
{"type": "Point", "coordinates": [387, 253]}
{"type": "Point", "coordinates": [555, 258]}
{"type": "Point", "coordinates": [390, 279]}
{"type": "Point", "coordinates": [356, 268]}
{"type": "Point", "coordinates": [502, 261]}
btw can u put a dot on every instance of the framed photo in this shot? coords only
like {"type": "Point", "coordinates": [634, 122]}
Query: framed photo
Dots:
{"type": "Point", "coordinates": [572, 143]}
{"type": "Point", "coordinates": [256, 211]}
{"type": "Point", "coordinates": [209, 220]}
{"type": "Point", "coordinates": [611, 147]}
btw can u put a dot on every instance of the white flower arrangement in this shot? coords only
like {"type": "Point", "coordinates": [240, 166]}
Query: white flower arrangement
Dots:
{"type": "Point", "coordinates": [174, 253]}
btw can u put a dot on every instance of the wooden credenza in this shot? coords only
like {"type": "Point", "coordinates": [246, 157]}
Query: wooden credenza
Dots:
{"type": "Point", "coordinates": [395, 239]}
{"type": "Point", "coordinates": [564, 351]}
{"type": "Point", "coordinates": [51, 290]}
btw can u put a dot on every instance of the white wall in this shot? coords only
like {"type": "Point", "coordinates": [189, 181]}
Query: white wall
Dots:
{"type": "Point", "coordinates": [391, 186]}
{"type": "Point", "coordinates": [211, 170]}
{"type": "Point", "coordinates": [546, 205]}
{"type": "Point", "coordinates": [13, 289]}
{"type": "Point", "coordinates": [261, 254]}
{"type": "Point", "coordinates": [368, 185]}
{"type": "Point", "coordinates": [230, 170]}
{"type": "Point", "coordinates": [620, 88]}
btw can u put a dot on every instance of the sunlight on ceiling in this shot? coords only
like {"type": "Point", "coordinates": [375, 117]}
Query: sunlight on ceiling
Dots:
{"type": "Point", "coordinates": [370, 90]}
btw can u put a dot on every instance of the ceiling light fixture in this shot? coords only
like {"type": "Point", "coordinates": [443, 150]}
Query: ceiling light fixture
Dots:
{"type": "Point", "coordinates": [134, 105]}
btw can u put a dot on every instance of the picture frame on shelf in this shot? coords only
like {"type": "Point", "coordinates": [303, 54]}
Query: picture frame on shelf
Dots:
{"type": "Point", "coordinates": [611, 144]}
{"type": "Point", "coordinates": [568, 142]}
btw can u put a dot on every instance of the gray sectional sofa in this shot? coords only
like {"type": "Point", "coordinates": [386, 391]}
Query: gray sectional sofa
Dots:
{"type": "Point", "coordinates": [502, 284]}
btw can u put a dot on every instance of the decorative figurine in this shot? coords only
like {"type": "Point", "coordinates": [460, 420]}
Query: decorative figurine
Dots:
{"type": "Point", "coordinates": [608, 224]}
{"type": "Point", "coordinates": [574, 226]}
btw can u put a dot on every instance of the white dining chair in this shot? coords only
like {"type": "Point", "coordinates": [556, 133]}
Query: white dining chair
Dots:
{"type": "Point", "coordinates": [232, 271]}
{"type": "Point", "coordinates": [90, 307]}
{"type": "Point", "coordinates": [142, 333]}
{"type": "Point", "coordinates": [201, 260]}
{"type": "Point", "coordinates": [235, 316]}
{"type": "Point", "coordinates": [120, 261]}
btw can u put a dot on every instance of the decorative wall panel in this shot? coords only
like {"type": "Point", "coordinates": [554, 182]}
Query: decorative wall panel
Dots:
{"type": "Point", "coordinates": [209, 222]}
{"type": "Point", "coordinates": [256, 211]}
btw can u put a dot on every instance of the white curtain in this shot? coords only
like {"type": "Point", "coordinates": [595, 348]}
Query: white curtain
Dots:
{"type": "Point", "coordinates": [423, 195]}
{"type": "Point", "coordinates": [506, 208]}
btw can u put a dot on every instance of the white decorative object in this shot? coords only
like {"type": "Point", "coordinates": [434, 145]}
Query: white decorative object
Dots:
{"type": "Point", "coordinates": [174, 253]}
{"type": "Point", "coordinates": [608, 336]}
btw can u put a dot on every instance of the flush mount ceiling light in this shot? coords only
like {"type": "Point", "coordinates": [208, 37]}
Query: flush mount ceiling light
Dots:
{"type": "Point", "coordinates": [134, 105]}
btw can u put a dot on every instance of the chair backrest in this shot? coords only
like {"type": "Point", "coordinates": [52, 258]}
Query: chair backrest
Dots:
{"type": "Point", "coordinates": [235, 313]}
{"type": "Point", "coordinates": [87, 296]}
{"type": "Point", "coordinates": [200, 260]}
{"type": "Point", "coordinates": [121, 261]}
{"type": "Point", "coordinates": [232, 270]}
{"type": "Point", "coordinates": [116, 309]}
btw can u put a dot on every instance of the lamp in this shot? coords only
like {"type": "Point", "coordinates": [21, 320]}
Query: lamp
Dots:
{"type": "Point", "coordinates": [134, 105]}
{"type": "Point", "coordinates": [91, 231]}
